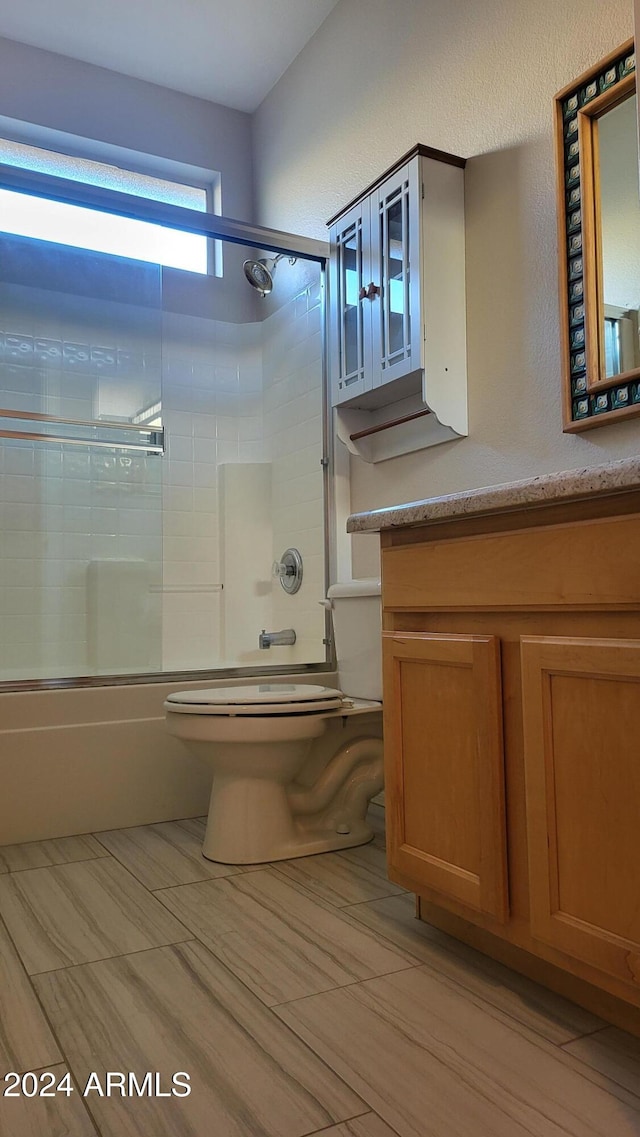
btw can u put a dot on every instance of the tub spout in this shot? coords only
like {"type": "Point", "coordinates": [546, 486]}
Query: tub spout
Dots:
{"type": "Point", "coordinates": [285, 638]}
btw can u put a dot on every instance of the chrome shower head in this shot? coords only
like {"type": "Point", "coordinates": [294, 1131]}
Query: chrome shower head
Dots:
{"type": "Point", "coordinates": [260, 273]}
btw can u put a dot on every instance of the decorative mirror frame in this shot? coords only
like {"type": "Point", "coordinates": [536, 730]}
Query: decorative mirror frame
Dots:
{"type": "Point", "coordinates": [589, 398]}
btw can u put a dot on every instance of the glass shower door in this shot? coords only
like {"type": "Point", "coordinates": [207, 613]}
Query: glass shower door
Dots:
{"type": "Point", "coordinates": [80, 444]}
{"type": "Point", "coordinates": [161, 445]}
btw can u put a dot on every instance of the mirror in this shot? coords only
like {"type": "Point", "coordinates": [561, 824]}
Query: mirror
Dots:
{"type": "Point", "coordinates": [599, 236]}
{"type": "Point", "coordinates": [616, 148]}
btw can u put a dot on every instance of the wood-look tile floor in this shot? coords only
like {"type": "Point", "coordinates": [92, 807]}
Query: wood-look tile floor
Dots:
{"type": "Point", "coordinates": [301, 997]}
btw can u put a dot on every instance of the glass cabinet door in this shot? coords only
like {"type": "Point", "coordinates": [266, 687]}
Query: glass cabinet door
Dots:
{"type": "Point", "coordinates": [395, 260]}
{"type": "Point", "coordinates": [349, 267]}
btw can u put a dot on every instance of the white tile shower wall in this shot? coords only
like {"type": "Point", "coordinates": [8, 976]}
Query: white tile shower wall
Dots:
{"type": "Point", "coordinates": [246, 540]}
{"type": "Point", "coordinates": [212, 411]}
{"type": "Point", "coordinates": [63, 508]}
{"type": "Point", "coordinates": [292, 361]}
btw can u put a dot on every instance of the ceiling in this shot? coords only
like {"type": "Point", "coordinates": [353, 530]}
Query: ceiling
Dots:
{"type": "Point", "coordinates": [229, 51]}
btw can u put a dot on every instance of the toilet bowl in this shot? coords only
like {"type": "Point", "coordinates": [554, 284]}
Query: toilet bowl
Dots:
{"type": "Point", "coordinates": [258, 738]}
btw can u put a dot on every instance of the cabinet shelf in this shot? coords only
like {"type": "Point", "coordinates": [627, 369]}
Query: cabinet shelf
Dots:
{"type": "Point", "coordinates": [386, 432]}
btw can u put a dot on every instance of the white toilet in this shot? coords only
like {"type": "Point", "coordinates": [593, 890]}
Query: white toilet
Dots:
{"type": "Point", "coordinates": [261, 740]}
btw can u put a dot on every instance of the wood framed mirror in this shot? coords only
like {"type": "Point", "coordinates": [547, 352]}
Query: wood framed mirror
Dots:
{"type": "Point", "coordinates": [599, 242]}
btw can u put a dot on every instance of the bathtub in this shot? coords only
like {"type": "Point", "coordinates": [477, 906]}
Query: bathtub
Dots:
{"type": "Point", "coordinates": [78, 760]}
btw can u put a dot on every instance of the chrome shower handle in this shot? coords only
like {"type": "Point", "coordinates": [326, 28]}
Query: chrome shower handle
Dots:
{"type": "Point", "coordinates": [288, 570]}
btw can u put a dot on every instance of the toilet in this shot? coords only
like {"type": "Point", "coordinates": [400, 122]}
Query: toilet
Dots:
{"type": "Point", "coordinates": [294, 764]}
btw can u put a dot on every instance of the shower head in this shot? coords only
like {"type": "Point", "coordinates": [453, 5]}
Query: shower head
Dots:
{"type": "Point", "coordinates": [260, 273]}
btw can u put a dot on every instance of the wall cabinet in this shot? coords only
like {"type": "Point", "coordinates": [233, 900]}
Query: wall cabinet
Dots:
{"type": "Point", "coordinates": [512, 720]}
{"type": "Point", "coordinates": [397, 304]}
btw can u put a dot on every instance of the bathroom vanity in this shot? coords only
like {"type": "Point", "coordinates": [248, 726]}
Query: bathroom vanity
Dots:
{"type": "Point", "coordinates": [511, 644]}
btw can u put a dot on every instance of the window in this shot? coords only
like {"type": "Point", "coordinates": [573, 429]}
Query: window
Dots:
{"type": "Point", "coordinates": [28, 215]}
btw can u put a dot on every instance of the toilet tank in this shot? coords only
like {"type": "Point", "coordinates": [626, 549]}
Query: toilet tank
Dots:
{"type": "Point", "coordinates": [357, 628]}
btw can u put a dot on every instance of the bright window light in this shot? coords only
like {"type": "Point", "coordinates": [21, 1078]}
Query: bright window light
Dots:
{"type": "Point", "coordinates": [27, 215]}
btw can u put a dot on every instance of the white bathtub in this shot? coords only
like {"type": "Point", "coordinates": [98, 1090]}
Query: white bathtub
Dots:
{"type": "Point", "coordinates": [85, 759]}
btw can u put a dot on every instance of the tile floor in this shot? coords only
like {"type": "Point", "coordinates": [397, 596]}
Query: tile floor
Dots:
{"type": "Point", "coordinates": [300, 998]}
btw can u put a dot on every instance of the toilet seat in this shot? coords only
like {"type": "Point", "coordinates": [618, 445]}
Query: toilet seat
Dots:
{"type": "Point", "coordinates": [257, 699]}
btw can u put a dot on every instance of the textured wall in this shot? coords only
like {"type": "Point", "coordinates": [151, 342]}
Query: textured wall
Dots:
{"type": "Point", "coordinates": [477, 80]}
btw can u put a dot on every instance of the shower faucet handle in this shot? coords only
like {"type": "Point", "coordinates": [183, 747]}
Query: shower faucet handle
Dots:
{"type": "Point", "coordinates": [288, 570]}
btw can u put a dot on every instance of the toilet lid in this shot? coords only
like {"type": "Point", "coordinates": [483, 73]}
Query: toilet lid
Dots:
{"type": "Point", "coordinates": [256, 699]}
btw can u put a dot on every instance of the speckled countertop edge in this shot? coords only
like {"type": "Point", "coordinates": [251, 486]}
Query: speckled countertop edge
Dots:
{"type": "Point", "coordinates": [567, 485]}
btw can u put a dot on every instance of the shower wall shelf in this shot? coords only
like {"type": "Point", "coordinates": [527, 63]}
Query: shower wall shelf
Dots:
{"type": "Point", "coordinates": [132, 437]}
{"type": "Point", "coordinates": [397, 309]}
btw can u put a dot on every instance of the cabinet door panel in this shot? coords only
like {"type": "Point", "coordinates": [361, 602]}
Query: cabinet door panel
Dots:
{"type": "Point", "coordinates": [445, 768]}
{"type": "Point", "coordinates": [395, 261]}
{"type": "Point", "coordinates": [350, 271]}
{"type": "Point", "coordinates": [581, 704]}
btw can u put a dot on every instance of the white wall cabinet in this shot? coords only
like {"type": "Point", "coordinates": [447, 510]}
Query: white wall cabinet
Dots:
{"type": "Point", "coordinates": [397, 309]}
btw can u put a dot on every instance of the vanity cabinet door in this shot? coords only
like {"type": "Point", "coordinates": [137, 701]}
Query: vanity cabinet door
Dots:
{"type": "Point", "coordinates": [581, 704]}
{"type": "Point", "coordinates": [444, 767]}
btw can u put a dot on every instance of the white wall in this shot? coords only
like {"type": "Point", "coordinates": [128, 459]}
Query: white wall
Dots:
{"type": "Point", "coordinates": [43, 89]}
{"type": "Point", "coordinates": [476, 80]}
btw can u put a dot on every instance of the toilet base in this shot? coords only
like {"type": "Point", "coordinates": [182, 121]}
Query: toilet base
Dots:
{"type": "Point", "coordinates": [304, 844]}
{"type": "Point", "coordinates": [250, 823]}
{"type": "Point", "coordinates": [258, 812]}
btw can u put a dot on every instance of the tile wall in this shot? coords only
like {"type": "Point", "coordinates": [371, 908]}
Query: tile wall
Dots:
{"type": "Point", "coordinates": [292, 356]}
{"type": "Point", "coordinates": [248, 394]}
{"type": "Point", "coordinates": [212, 411]}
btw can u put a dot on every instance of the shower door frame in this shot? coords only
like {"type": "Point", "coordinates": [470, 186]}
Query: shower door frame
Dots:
{"type": "Point", "coordinates": [235, 232]}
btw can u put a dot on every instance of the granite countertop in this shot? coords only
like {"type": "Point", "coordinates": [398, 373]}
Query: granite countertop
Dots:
{"type": "Point", "coordinates": [567, 485]}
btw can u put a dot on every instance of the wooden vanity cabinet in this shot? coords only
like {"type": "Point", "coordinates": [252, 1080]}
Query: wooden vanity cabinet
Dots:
{"type": "Point", "coordinates": [512, 738]}
{"type": "Point", "coordinates": [581, 720]}
{"type": "Point", "coordinates": [447, 826]}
